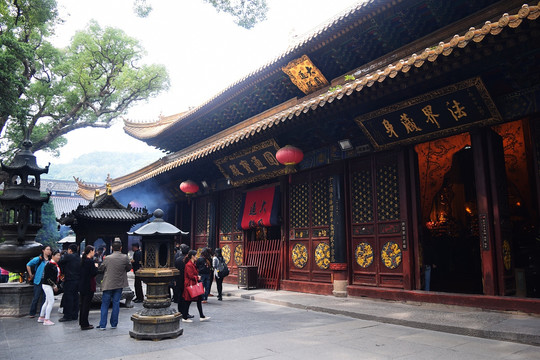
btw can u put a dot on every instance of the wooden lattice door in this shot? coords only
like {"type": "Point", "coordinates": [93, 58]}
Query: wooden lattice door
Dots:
{"type": "Point", "coordinates": [377, 229]}
{"type": "Point", "coordinates": [202, 223]}
{"type": "Point", "coordinates": [309, 226]}
{"type": "Point", "coordinates": [230, 237]}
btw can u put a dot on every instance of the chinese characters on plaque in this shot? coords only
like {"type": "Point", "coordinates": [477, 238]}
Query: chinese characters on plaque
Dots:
{"type": "Point", "coordinates": [441, 112]}
{"type": "Point", "coordinates": [305, 75]}
{"type": "Point", "coordinates": [252, 164]}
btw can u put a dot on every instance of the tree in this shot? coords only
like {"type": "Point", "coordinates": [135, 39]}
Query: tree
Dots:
{"type": "Point", "coordinates": [246, 13]}
{"type": "Point", "coordinates": [22, 28]}
{"type": "Point", "coordinates": [88, 84]}
{"type": "Point", "coordinates": [49, 234]}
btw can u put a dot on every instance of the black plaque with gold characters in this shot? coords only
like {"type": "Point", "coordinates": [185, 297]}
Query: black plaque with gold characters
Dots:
{"type": "Point", "coordinates": [255, 163]}
{"type": "Point", "coordinates": [441, 112]}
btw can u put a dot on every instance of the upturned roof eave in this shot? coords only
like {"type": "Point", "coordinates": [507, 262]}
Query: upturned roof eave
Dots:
{"type": "Point", "coordinates": [312, 102]}
{"type": "Point", "coordinates": [326, 30]}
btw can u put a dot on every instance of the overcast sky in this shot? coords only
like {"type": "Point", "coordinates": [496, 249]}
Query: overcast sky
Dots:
{"type": "Point", "coordinates": [203, 51]}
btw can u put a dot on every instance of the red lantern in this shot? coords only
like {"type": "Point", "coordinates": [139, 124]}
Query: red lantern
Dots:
{"type": "Point", "coordinates": [189, 187]}
{"type": "Point", "coordinates": [289, 155]}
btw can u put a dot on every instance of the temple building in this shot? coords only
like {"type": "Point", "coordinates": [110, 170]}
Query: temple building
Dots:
{"type": "Point", "coordinates": [413, 171]}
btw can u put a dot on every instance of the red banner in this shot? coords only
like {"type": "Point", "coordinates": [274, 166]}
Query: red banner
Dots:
{"type": "Point", "coordinates": [260, 208]}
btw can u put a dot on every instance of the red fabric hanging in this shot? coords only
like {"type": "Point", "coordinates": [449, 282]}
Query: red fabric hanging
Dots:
{"type": "Point", "coordinates": [260, 208]}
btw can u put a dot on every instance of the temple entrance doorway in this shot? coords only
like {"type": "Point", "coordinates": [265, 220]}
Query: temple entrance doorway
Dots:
{"type": "Point", "coordinates": [479, 212]}
{"type": "Point", "coordinates": [450, 244]}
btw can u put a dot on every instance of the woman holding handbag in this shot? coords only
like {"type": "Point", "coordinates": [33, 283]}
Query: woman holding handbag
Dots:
{"type": "Point", "coordinates": [87, 286]}
{"type": "Point", "coordinates": [191, 279]}
{"type": "Point", "coordinates": [51, 276]}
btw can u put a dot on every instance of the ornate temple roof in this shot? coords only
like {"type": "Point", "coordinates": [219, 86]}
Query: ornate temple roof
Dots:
{"type": "Point", "coordinates": [351, 40]}
{"type": "Point", "coordinates": [106, 208]}
{"type": "Point", "coordinates": [149, 129]}
{"type": "Point", "coordinates": [426, 50]}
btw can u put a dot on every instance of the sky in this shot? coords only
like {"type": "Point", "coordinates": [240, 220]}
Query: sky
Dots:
{"type": "Point", "coordinates": [203, 51]}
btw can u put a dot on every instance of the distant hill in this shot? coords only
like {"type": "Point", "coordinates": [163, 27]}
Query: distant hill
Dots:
{"type": "Point", "coordinates": [94, 167]}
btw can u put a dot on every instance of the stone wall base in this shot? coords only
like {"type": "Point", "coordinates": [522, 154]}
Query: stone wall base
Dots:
{"type": "Point", "coordinates": [15, 299]}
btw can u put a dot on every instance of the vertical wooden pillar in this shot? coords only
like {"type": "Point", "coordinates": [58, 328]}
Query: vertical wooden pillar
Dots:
{"type": "Point", "coordinates": [285, 227]}
{"type": "Point", "coordinates": [485, 214]}
{"type": "Point", "coordinates": [211, 229]}
{"type": "Point", "coordinates": [124, 240]}
{"type": "Point", "coordinates": [408, 207]}
{"type": "Point", "coordinates": [192, 225]}
{"type": "Point", "coordinates": [415, 219]}
{"type": "Point", "coordinates": [338, 241]}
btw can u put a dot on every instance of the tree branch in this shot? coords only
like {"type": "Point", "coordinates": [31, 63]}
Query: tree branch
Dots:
{"type": "Point", "coordinates": [43, 143]}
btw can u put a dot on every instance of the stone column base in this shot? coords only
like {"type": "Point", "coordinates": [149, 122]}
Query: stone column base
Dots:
{"type": "Point", "coordinates": [339, 279]}
{"type": "Point", "coordinates": [340, 288]}
{"type": "Point", "coordinates": [15, 299]}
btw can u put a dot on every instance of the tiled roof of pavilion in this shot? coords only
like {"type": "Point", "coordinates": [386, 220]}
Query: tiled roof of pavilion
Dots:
{"type": "Point", "coordinates": [105, 207]}
{"type": "Point", "coordinates": [364, 77]}
{"type": "Point", "coordinates": [66, 204]}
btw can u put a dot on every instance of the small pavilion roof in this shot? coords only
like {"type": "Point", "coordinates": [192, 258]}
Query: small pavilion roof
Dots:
{"type": "Point", "coordinates": [105, 207]}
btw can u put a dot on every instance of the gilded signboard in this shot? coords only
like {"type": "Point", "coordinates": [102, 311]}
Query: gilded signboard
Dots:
{"type": "Point", "coordinates": [252, 164]}
{"type": "Point", "coordinates": [305, 75]}
{"type": "Point", "coordinates": [442, 112]}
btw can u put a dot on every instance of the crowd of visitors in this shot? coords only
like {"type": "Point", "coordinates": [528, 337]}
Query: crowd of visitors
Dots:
{"type": "Point", "coordinates": [73, 275]}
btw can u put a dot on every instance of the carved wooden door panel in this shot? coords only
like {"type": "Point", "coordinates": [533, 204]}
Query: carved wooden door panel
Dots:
{"type": "Point", "coordinates": [230, 237]}
{"type": "Point", "coordinates": [201, 224]}
{"type": "Point", "coordinates": [375, 217]}
{"type": "Point", "coordinates": [309, 227]}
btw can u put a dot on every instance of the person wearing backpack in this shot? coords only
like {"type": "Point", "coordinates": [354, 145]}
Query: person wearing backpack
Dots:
{"type": "Point", "coordinates": [220, 271]}
{"type": "Point", "coordinates": [35, 269]}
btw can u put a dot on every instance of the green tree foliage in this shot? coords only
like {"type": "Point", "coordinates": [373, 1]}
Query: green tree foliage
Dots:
{"type": "Point", "coordinates": [54, 91]}
{"type": "Point", "coordinates": [23, 26]}
{"type": "Point", "coordinates": [49, 233]}
{"type": "Point", "coordinates": [245, 13]}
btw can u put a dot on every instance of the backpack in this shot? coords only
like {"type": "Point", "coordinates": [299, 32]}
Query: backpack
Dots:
{"type": "Point", "coordinates": [223, 270]}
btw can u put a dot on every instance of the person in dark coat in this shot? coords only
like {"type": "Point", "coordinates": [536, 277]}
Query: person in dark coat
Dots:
{"type": "Point", "coordinates": [70, 263]}
{"type": "Point", "coordinates": [180, 265]}
{"type": "Point", "coordinates": [87, 285]}
{"type": "Point", "coordinates": [136, 264]}
{"type": "Point", "coordinates": [191, 277]}
{"type": "Point", "coordinates": [204, 267]}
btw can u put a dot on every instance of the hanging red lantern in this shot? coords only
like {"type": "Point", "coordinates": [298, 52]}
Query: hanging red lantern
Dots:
{"type": "Point", "coordinates": [289, 155]}
{"type": "Point", "coordinates": [189, 187]}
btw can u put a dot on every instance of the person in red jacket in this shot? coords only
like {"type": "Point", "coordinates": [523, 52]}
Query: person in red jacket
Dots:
{"type": "Point", "coordinates": [191, 277]}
